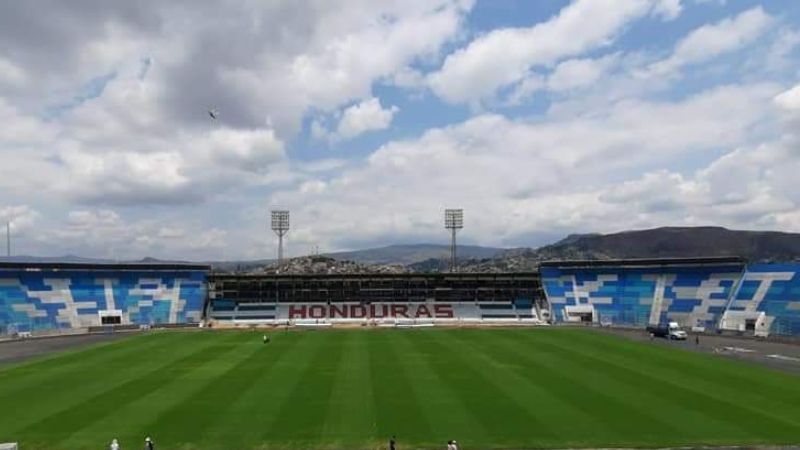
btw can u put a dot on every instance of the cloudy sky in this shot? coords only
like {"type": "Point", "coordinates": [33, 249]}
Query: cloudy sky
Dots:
{"type": "Point", "coordinates": [367, 118]}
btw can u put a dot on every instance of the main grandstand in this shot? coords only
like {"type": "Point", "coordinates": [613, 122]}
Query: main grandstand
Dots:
{"type": "Point", "coordinates": [704, 294]}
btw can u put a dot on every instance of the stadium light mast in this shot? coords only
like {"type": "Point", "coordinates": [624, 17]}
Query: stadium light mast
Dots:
{"type": "Point", "coordinates": [453, 221]}
{"type": "Point", "coordinates": [280, 225]}
{"type": "Point", "coordinates": [8, 238]}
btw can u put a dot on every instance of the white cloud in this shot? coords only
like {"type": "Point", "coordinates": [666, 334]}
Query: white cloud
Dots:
{"type": "Point", "coordinates": [126, 117]}
{"type": "Point", "coordinates": [532, 83]}
{"type": "Point", "coordinates": [409, 78]}
{"type": "Point", "coordinates": [668, 9]}
{"type": "Point", "coordinates": [106, 233]}
{"type": "Point", "coordinates": [107, 145]}
{"type": "Point", "coordinates": [505, 56]}
{"type": "Point", "coordinates": [92, 218]}
{"type": "Point", "coordinates": [318, 130]}
{"type": "Point", "coordinates": [789, 100]}
{"type": "Point", "coordinates": [382, 38]}
{"type": "Point", "coordinates": [249, 150]}
{"type": "Point", "coordinates": [10, 73]}
{"type": "Point", "coordinates": [569, 75]}
{"type": "Point", "coordinates": [515, 176]}
{"type": "Point", "coordinates": [779, 56]}
{"type": "Point", "coordinates": [709, 41]}
{"type": "Point", "coordinates": [126, 177]}
{"type": "Point", "coordinates": [171, 233]}
{"type": "Point", "coordinates": [578, 73]}
{"type": "Point", "coordinates": [20, 217]}
{"type": "Point", "coordinates": [367, 115]}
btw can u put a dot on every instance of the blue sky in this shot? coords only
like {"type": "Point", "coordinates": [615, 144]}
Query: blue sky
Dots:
{"type": "Point", "coordinates": [366, 119]}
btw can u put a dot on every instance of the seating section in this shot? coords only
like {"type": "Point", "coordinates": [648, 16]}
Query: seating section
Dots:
{"type": "Point", "coordinates": [773, 289]}
{"type": "Point", "coordinates": [692, 296]}
{"type": "Point", "coordinates": [521, 308]}
{"type": "Point", "coordinates": [222, 309]}
{"type": "Point", "coordinates": [70, 298]}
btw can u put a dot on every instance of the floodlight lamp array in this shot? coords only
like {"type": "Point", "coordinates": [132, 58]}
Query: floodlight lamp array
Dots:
{"type": "Point", "coordinates": [280, 220]}
{"type": "Point", "coordinates": [453, 219]}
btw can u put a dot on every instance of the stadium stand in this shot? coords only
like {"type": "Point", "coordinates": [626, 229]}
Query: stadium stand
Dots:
{"type": "Point", "coordinates": [710, 294]}
{"type": "Point", "coordinates": [48, 297]}
{"type": "Point", "coordinates": [419, 297]}
{"type": "Point", "coordinates": [767, 301]}
{"type": "Point", "coordinates": [694, 293]}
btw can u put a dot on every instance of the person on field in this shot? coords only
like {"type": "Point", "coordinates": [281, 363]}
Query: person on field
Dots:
{"type": "Point", "coordinates": [266, 339]}
{"type": "Point", "coordinates": [148, 444]}
{"type": "Point", "coordinates": [454, 444]}
{"type": "Point", "coordinates": [449, 445]}
{"type": "Point", "coordinates": [392, 443]}
{"type": "Point", "coordinates": [114, 445]}
{"type": "Point", "coordinates": [696, 339]}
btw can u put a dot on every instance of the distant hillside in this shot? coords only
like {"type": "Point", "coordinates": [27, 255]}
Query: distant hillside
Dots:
{"type": "Point", "coordinates": [666, 242]}
{"type": "Point", "coordinates": [54, 259]}
{"type": "Point", "coordinates": [80, 260]}
{"type": "Point", "coordinates": [409, 254]}
{"type": "Point", "coordinates": [756, 246]}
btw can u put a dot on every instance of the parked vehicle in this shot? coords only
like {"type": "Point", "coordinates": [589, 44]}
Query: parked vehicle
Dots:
{"type": "Point", "coordinates": [671, 331]}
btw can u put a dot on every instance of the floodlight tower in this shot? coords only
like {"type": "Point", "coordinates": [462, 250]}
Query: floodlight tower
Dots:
{"type": "Point", "coordinates": [280, 225]}
{"type": "Point", "coordinates": [8, 238]}
{"type": "Point", "coordinates": [453, 221]}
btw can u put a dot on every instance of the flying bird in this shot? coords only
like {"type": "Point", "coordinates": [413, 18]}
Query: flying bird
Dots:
{"type": "Point", "coordinates": [213, 113]}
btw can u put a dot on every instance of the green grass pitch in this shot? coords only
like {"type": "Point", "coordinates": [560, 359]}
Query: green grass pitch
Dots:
{"type": "Point", "coordinates": [500, 388]}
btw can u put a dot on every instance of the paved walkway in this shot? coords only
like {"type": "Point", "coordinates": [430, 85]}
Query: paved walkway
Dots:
{"type": "Point", "coordinates": [18, 350]}
{"type": "Point", "coordinates": [779, 355]}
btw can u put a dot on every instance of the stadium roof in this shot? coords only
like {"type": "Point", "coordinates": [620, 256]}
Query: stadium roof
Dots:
{"type": "Point", "coordinates": [649, 262]}
{"type": "Point", "coordinates": [231, 275]}
{"type": "Point", "coordinates": [102, 266]}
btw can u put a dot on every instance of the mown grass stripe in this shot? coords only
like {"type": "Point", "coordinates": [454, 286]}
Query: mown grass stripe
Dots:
{"type": "Point", "coordinates": [673, 417]}
{"type": "Point", "coordinates": [244, 422]}
{"type": "Point", "coordinates": [516, 417]}
{"type": "Point", "coordinates": [302, 419]}
{"type": "Point", "coordinates": [62, 392]}
{"type": "Point", "coordinates": [759, 425]}
{"type": "Point", "coordinates": [346, 426]}
{"type": "Point", "coordinates": [177, 411]}
{"type": "Point", "coordinates": [443, 402]}
{"type": "Point", "coordinates": [44, 379]}
{"type": "Point", "coordinates": [724, 376]}
{"type": "Point", "coordinates": [63, 423]}
{"type": "Point", "coordinates": [753, 385]}
{"type": "Point", "coordinates": [565, 387]}
{"type": "Point", "coordinates": [397, 411]}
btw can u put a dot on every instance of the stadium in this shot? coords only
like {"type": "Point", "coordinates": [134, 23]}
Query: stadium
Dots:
{"type": "Point", "coordinates": [553, 358]}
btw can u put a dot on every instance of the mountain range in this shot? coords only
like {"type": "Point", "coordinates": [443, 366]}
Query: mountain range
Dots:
{"type": "Point", "coordinates": [755, 246]}
{"type": "Point", "coordinates": [674, 242]}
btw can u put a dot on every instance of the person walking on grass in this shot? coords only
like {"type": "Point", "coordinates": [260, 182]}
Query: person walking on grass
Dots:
{"type": "Point", "coordinates": [393, 443]}
{"type": "Point", "coordinates": [114, 445]}
{"type": "Point", "coordinates": [148, 444]}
